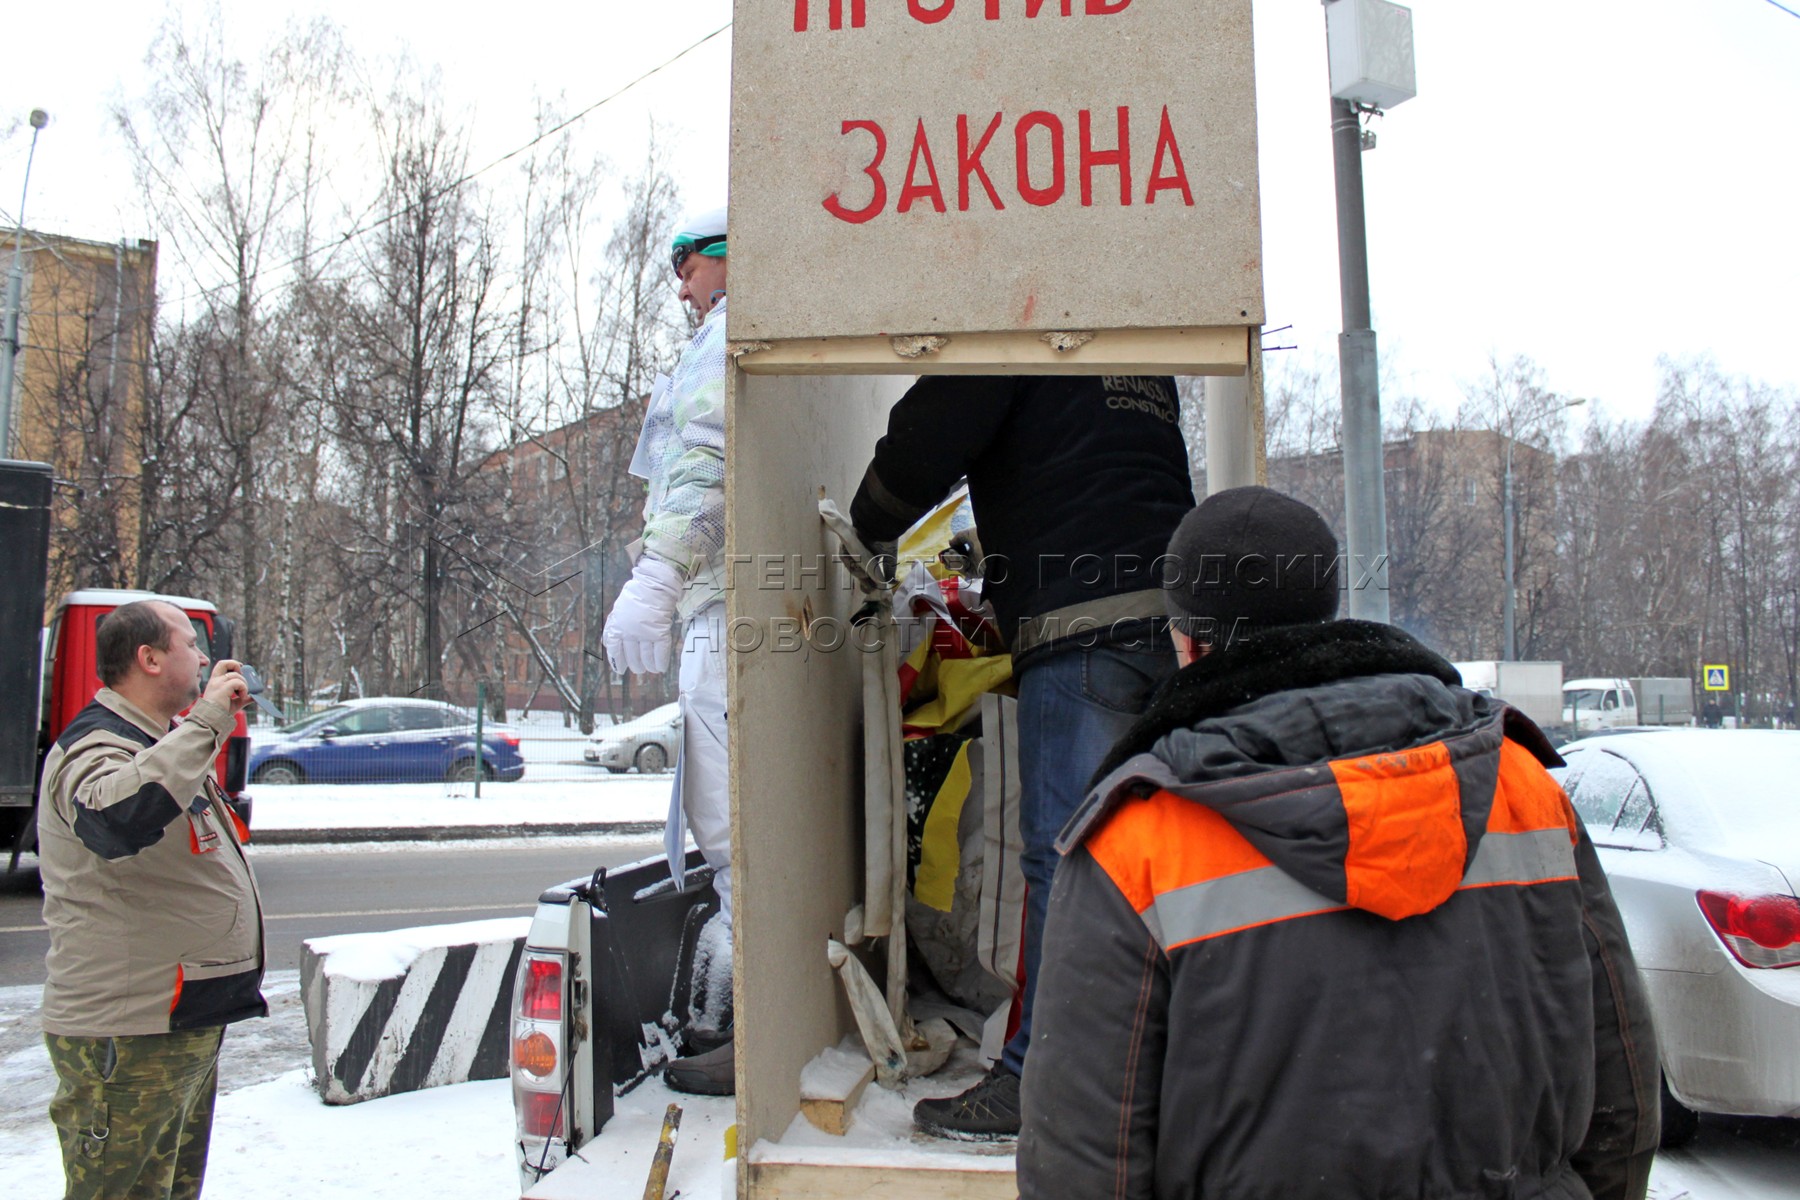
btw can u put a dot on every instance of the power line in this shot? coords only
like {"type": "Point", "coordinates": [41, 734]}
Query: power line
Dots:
{"type": "Point", "coordinates": [451, 187]}
{"type": "Point", "coordinates": [1784, 8]}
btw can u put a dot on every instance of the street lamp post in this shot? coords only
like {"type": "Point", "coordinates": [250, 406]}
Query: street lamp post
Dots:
{"type": "Point", "coordinates": [1369, 44]}
{"type": "Point", "coordinates": [1510, 600]}
{"type": "Point", "coordinates": [15, 282]}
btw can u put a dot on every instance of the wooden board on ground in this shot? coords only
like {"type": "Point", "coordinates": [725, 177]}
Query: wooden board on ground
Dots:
{"type": "Point", "coordinates": [832, 1084]}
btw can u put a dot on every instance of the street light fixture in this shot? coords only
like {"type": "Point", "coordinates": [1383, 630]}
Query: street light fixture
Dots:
{"type": "Point", "coordinates": [1369, 43]}
{"type": "Point", "coordinates": [15, 281]}
{"type": "Point", "coordinates": [1511, 597]}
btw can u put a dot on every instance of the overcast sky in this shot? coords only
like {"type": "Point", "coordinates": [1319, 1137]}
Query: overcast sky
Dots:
{"type": "Point", "coordinates": [1591, 183]}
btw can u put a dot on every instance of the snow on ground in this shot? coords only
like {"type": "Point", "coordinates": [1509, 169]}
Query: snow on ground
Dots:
{"type": "Point", "coordinates": [274, 1139]}
{"type": "Point", "coordinates": [607, 798]}
{"type": "Point", "coordinates": [616, 1165]}
{"type": "Point", "coordinates": [649, 843]}
{"type": "Point", "coordinates": [277, 1141]}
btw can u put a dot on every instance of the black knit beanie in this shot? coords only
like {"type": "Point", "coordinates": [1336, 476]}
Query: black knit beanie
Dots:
{"type": "Point", "coordinates": [1250, 556]}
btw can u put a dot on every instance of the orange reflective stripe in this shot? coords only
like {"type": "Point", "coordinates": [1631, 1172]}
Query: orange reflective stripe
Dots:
{"type": "Point", "coordinates": [1162, 842]}
{"type": "Point", "coordinates": [1407, 846]}
{"type": "Point", "coordinates": [180, 977]}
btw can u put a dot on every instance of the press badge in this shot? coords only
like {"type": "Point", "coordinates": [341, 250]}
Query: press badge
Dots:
{"type": "Point", "coordinates": [659, 421]}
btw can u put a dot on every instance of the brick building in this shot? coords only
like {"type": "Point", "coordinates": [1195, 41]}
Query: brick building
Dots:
{"type": "Point", "coordinates": [88, 311]}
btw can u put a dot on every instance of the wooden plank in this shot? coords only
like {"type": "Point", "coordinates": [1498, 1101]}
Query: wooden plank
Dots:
{"type": "Point", "coordinates": [831, 1087]}
{"type": "Point", "coordinates": [1209, 350]}
{"type": "Point", "coordinates": [888, 1181]}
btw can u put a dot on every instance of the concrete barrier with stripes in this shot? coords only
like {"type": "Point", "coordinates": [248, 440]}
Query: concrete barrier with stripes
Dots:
{"type": "Point", "coordinates": [415, 1008]}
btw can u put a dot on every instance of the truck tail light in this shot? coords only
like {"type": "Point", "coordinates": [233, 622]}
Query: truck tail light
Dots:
{"type": "Point", "coordinates": [1760, 931]}
{"type": "Point", "coordinates": [539, 1074]}
{"type": "Point", "coordinates": [540, 990]}
{"type": "Point", "coordinates": [511, 740]}
{"type": "Point", "coordinates": [540, 1114]}
{"type": "Point", "coordinates": [535, 1053]}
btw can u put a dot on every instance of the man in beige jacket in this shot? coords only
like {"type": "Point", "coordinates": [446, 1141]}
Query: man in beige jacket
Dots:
{"type": "Point", "coordinates": [156, 938]}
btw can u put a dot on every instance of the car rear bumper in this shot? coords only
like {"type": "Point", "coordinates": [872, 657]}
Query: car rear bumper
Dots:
{"type": "Point", "coordinates": [1730, 1040]}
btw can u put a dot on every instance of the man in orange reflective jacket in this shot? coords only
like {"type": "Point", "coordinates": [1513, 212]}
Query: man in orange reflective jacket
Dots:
{"type": "Point", "coordinates": [1325, 926]}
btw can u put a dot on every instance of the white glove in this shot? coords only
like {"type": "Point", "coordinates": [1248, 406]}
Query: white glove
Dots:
{"type": "Point", "coordinates": [642, 619]}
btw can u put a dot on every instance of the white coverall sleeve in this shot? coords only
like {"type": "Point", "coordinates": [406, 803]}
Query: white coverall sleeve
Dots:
{"type": "Point", "coordinates": [687, 527]}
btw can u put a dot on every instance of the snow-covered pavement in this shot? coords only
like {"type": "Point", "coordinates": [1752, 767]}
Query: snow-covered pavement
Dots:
{"type": "Point", "coordinates": [603, 800]}
{"type": "Point", "coordinates": [274, 1139]}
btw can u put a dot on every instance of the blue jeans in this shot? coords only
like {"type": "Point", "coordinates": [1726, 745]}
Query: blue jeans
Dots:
{"type": "Point", "coordinates": [1073, 706]}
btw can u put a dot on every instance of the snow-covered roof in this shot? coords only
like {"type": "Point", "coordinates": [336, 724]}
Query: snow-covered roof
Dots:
{"type": "Point", "coordinates": [1733, 787]}
{"type": "Point", "coordinates": [114, 597]}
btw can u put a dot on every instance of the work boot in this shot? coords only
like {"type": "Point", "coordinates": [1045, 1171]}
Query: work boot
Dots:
{"type": "Point", "coordinates": [987, 1111]}
{"type": "Point", "coordinates": [711, 1074]}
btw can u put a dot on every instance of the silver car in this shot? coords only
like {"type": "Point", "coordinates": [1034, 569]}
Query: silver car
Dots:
{"type": "Point", "coordinates": [648, 743]}
{"type": "Point", "coordinates": [1699, 832]}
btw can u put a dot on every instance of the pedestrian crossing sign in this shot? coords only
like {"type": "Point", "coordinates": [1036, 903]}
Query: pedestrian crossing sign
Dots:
{"type": "Point", "coordinates": [1718, 677]}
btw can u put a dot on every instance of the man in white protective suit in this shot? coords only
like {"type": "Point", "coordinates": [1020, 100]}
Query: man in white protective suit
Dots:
{"type": "Point", "coordinates": [677, 584]}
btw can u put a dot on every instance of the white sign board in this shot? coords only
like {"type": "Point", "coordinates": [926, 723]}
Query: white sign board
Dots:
{"type": "Point", "coordinates": [945, 166]}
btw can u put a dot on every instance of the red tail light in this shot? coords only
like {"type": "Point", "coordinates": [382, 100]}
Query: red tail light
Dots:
{"type": "Point", "coordinates": [511, 741]}
{"type": "Point", "coordinates": [540, 1114]}
{"type": "Point", "coordinates": [542, 996]}
{"type": "Point", "coordinates": [1760, 931]}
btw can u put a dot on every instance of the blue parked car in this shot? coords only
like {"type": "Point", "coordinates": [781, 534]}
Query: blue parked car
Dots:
{"type": "Point", "coordinates": [385, 740]}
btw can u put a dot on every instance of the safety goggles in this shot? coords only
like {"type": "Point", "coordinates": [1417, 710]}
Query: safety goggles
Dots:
{"type": "Point", "coordinates": [685, 245]}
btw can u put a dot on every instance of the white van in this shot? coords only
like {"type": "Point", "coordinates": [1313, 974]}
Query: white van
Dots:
{"type": "Point", "coordinates": [1595, 704]}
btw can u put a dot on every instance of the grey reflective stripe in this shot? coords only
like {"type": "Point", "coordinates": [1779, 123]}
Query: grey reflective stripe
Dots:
{"type": "Point", "coordinates": [1522, 858]}
{"type": "Point", "coordinates": [1267, 894]}
{"type": "Point", "coordinates": [1254, 897]}
{"type": "Point", "coordinates": [1089, 616]}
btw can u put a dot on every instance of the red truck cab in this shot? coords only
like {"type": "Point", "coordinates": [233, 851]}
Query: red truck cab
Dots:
{"type": "Point", "coordinates": [70, 678]}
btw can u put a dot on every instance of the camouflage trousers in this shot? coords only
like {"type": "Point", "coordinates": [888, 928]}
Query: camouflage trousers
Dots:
{"type": "Point", "coordinates": [134, 1114]}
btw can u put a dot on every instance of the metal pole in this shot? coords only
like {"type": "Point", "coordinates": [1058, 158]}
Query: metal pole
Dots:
{"type": "Point", "coordinates": [1230, 437]}
{"type": "Point", "coordinates": [1506, 522]}
{"type": "Point", "coordinates": [15, 281]}
{"type": "Point", "coordinates": [1365, 504]}
{"type": "Point", "coordinates": [480, 730]}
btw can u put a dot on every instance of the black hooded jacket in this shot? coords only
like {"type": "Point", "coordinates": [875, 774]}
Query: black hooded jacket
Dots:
{"type": "Point", "coordinates": [1077, 483]}
{"type": "Point", "coordinates": [1327, 928]}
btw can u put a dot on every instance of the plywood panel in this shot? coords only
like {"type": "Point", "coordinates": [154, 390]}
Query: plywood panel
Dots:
{"type": "Point", "coordinates": [945, 166]}
{"type": "Point", "coordinates": [795, 712]}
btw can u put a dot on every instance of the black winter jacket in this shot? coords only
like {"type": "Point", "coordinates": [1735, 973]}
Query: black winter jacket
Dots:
{"type": "Point", "coordinates": [1328, 929]}
{"type": "Point", "coordinates": [1077, 484]}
